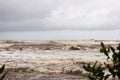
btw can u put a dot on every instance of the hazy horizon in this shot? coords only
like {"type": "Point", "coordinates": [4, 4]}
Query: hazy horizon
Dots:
{"type": "Point", "coordinates": [61, 35]}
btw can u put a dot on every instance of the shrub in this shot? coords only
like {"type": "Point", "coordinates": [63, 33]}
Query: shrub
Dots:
{"type": "Point", "coordinates": [98, 72]}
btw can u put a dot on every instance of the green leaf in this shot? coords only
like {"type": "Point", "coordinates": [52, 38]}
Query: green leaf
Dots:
{"type": "Point", "coordinates": [112, 49]}
{"type": "Point", "coordinates": [108, 49]}
{"type": "Point", "coordinates": [94, 64]}
{"type": "Point", "coordinates": [85, 67]}
{"type": "Point", "coordinates": [103, 50]}
{"type": "Point", "coordinates": [2, 69]}
{"type": "Point", "coordinates": [90, 69]}
{"type": "Point", "coordinates": [118, 48]}
{"type": "Point", "coordinates": [119, 56]}
{"type": "Point", "coordinates": [118, 74]}
{"type": "Point", "coordinates": [111, 70]}
{"type": "Point", "coordinates": [107, 76]}
{"type": "Point", "coordinates": [99, 68]}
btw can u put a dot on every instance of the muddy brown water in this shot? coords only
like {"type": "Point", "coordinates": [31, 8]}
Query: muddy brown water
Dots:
{"type": "Point", "coordinates": [48, 60]}
{"type": "Point", "coordinates": [47, 64]}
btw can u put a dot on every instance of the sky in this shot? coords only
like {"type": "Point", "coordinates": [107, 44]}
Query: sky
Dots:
{"type": "Point", "coordinates": [59, 19]}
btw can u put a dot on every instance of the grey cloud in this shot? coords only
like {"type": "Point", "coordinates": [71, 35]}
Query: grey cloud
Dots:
{"type": "Point", "coordinates": [32, 15]}
{"type": "Point", "coordinates": [93, 15]}
{"type": "Point", "coordinates": [24, 9]}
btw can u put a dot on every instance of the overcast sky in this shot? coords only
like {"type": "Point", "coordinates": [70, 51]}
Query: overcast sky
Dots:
{"type": "Point", "coordinates": [59, 15]}
{"type": "Point", "coordinates": [31, 15]}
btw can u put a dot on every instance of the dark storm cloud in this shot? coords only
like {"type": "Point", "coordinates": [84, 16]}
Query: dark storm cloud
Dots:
{"type": "Point", "coordinates": [32, 15]}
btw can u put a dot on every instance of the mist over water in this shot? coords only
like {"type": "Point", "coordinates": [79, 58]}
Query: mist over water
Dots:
{"type": "Point", "coordinates": [61, 35]}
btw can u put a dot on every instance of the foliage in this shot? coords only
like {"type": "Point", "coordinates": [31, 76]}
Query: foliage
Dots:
{"type": "Point", "coordinates": [1, 72]}
{"type": "Point", "coordinates": [96, 71]}
{"type": "Point", "coordinates": [112, 67]}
